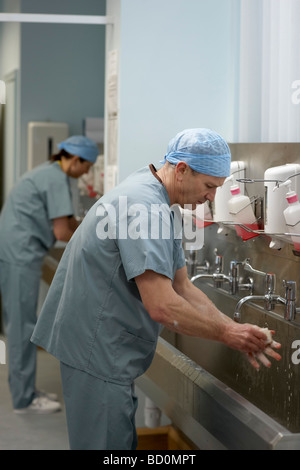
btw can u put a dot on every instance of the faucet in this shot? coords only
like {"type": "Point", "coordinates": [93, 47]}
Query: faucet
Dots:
{"type": "Point", "coordinates": [219, 277]}
{"type": "Point", "coordinates": [290, 310]}
{"type": "Point", "coordinates": [270, 299]}
{"type": "Point", "coordinates": [235, 284]}
{"type": "Point", "coordinates": [192, 265]}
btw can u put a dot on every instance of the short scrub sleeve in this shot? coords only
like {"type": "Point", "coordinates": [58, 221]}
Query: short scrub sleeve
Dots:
{"type": "Point", "coordinates": [149, 247]}
{"type": "Point", "coordinates": [58, 197]}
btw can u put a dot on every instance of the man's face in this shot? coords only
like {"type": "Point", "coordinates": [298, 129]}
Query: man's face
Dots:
{"type": "Point", "coordinates": [195, 188]}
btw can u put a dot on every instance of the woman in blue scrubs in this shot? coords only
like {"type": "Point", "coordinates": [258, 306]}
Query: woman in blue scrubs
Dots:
{"type": "Point", "coordinates": [37, 212]}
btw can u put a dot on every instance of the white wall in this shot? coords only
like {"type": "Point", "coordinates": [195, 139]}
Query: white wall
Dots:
{"type": "Point", "coordinates": [225, 64]}
{"type": "Point", "coordinates": [176, 71]}
{"type": "Point", "coordinates": [269, 68]}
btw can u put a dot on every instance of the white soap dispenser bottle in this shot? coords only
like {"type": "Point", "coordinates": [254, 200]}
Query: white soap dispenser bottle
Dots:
{"type": "Point", "coordinates": [292, 217]}
{"type": "Point", "coordinates": [242, 213]}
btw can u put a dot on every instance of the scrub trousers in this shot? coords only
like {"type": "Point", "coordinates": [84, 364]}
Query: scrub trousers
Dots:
{"type": "Point", "coordinates": [100, 414]}
{"type": "Point", "coordinates": [19, 286]}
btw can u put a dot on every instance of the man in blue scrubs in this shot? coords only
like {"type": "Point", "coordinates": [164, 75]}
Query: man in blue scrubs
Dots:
{"type": "Point", "coordinates": [37, 212]}
{"type": "Point", "coordinates": [121, 278]}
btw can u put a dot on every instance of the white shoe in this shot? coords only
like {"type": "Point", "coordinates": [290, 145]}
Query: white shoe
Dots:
{"type": "Point", "coordinates": [40, 405]}
{"type": "Point", "coordinates": [50, 396]}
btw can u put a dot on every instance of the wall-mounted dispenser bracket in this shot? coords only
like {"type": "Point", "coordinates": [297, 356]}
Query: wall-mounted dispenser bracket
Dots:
{"type": "Point", "coordinates": [259, 210]}
{"type": "Point", "coordinates": [276, 181]}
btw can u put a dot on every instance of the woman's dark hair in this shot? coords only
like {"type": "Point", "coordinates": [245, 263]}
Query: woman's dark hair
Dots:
{"type": "Point", "coordinates": [62, 153]}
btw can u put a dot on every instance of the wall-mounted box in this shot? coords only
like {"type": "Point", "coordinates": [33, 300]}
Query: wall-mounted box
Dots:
{"type": "Point", "coordinates": [43, 138]}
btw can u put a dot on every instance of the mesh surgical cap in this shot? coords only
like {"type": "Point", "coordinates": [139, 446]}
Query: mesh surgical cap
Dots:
{"type": "Point", "coordinates": [81, 146]}
{"type": "Point", "coordinates": [203, 150]}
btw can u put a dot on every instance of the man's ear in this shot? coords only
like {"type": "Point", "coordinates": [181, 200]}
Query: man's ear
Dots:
{"type": "Point", "coordinates": [181, 169]}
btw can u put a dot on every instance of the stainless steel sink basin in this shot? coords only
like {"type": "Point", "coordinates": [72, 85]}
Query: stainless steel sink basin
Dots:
{"type": "Point", "coordinates": [214, 395]}
{"type": "Point", "coordinates": [274, 390]}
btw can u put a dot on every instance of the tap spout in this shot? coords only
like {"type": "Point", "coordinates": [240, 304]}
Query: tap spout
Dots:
{"type": "Point", "coordinates": [249, 298]}
{"type": "Point", "coordinates": [200, 276]}
{"type": "Point", "coordinates": [270, 300]}
{"type": "Point", "coordinates": [215, 277]}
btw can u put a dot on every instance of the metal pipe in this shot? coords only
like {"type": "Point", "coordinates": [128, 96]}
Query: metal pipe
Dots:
{"type": "Point", "coordinates": [249, 298]}
{"type": "Point", "coordinates": [199, 276]}
{"type": "Point", "coordinates": [290, 304]}
{"type": "Point", "coordinates": [270, 299]}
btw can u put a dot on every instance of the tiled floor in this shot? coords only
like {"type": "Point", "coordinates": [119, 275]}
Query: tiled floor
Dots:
{"type": "Point", "coordinates": [33, 432]}
{"type": "Point", "coordinates": [41, 432]}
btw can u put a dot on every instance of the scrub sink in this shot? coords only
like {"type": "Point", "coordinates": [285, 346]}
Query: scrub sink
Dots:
{"type": "Point", "coordinates": [215, 396]}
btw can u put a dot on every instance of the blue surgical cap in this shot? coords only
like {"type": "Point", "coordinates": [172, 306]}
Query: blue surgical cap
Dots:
{"type": "Point", "coordinates": [203, 150]}
{"type": "Point", "coordinates": [81, 146]}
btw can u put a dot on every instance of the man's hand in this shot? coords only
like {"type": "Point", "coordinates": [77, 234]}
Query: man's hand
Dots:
{"type": "Point", "coordinates": [253, 358]}
{"type": "Point", "coordinates": [183, 308]}
{"type": "Point", "coordinates": [254, 342]}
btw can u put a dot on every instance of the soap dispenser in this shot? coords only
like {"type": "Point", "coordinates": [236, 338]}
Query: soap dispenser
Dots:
{"type": "Point", "coordinates": [221, 213]}
{"type": "Point", "coordinates": [242, 213]}
{"type": "Point", "coordinates": [275, 201]}
{"type": "Point", "coordinates": [292, 216]}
